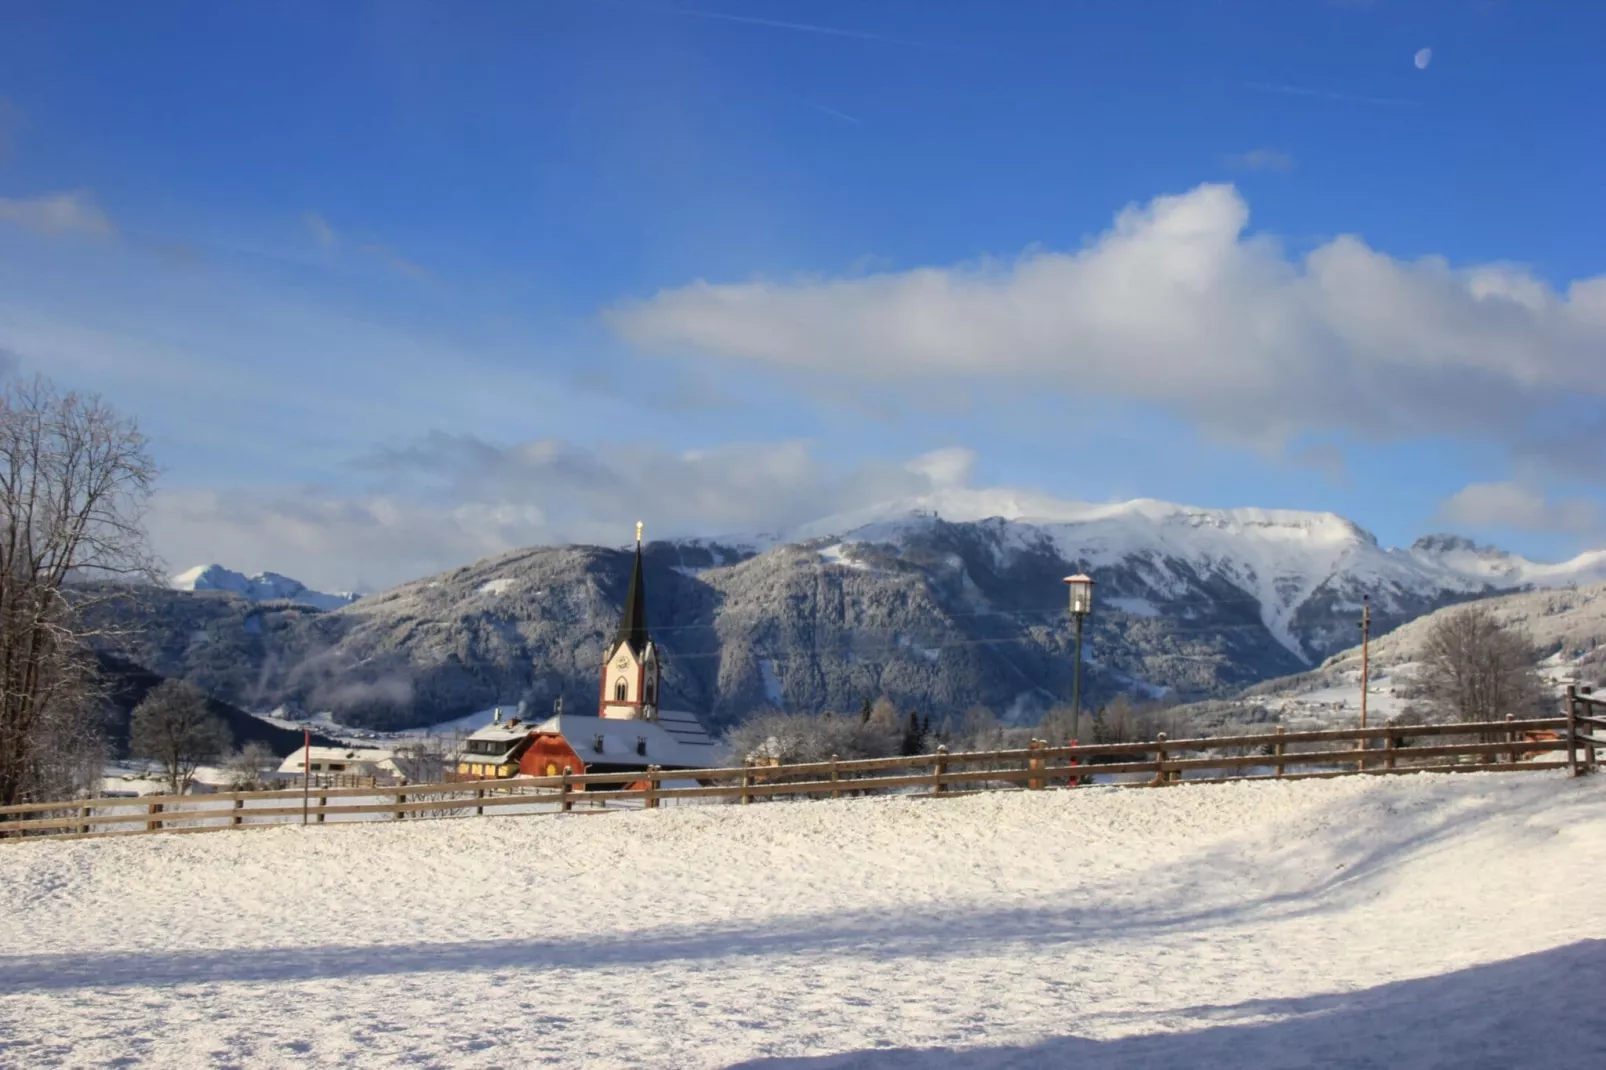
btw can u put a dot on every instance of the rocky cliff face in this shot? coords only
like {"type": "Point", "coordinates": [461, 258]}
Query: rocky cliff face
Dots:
{"type": "Point", "coordinates": [938, 614]}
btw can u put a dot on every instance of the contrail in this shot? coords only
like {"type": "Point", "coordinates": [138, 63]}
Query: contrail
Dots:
{"type": "Point", "coordinates": [781, 24]}
{"type": "Point", "coordinates": [1328, 94]}
{"type": "Point", "coordinates": [817, 106]}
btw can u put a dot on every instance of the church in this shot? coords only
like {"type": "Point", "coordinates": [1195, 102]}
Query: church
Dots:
{"type": "Point", "coordinates": [630, 731]}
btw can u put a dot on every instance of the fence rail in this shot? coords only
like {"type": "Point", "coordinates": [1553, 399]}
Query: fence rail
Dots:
{"type": "Point", "coordinates": [1508, 745]}
{"type": "Point", "coordinates": [1586, 729]}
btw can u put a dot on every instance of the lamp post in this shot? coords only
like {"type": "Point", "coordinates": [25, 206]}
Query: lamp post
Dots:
{"type": "Point", "coordinates": [1081, 592]}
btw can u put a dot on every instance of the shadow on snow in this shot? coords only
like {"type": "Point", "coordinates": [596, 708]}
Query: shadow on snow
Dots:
{"type": "Point", "coordinates": [1539, 1011]}
{"type": "Point", "coordinates": [1365, 843]}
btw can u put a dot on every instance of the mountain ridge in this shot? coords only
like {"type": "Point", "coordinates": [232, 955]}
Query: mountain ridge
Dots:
{"type": "Point", "coordinates": [262, 587]}
{"type": "Point", "coordinates": [938, 614]}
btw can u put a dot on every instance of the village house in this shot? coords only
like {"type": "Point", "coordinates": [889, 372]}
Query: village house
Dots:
{"type": "Point", "coordinates": [630, 732]}
{"type": "Point", "coordinates": [332, 765]}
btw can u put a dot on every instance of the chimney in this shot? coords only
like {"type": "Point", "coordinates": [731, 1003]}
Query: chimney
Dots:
{"type": "Point", "coordinates": [496, 715]}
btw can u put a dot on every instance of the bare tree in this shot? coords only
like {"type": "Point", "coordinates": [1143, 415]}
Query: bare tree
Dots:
{"type": "Point", "coordinates": [1059, 727]}
{"type": "Point", "coordinates": [427, 760]}
{"type": "Point", "coordinates": [1475, 669]}
{"type": "Point", "coordinates": [246, 766]}
{"type": "Point", "coordinates": [74, 478]}
{"type": "Point", "coordinates": [173, 725]}
{"type": "Point", "coordinates": [789, 738]}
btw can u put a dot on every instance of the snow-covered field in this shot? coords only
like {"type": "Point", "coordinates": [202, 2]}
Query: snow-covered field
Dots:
{"type": "Point", "coordinates": [1404, 922]}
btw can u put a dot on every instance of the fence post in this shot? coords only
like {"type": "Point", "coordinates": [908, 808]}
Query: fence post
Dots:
{"type": "Point", "coordinates": [1572, 729]}
{"type": "Point", "coordinates": [938, 768]}
{"type": "Point", "coordinates": [650, 800]}
{"type": "Point", "coordinates": [401, 797]}
{"type": "Point", "coordinates": [836, 793]}
{"type": "Point", "coordinates": [747, 782]}
{"type": "Point", "coordinates": [153, 808]}
{"type": "Point", "coordinates": [564, 802]}
{"type": "Point", "coordinates": [1034, 763]}
{"type": "Point", "coordinates": [323, 801]}
{"type": "Point", "coordinates": [1511, 740]}
{"type": "Point", "coordinates": [83, 815]}
{"type": "Point", "coordinates": [1592, 708]}
{"type": "Point", "coordinates": [239, 804]}
{"type": "Point", "coordinates": [1390, 744]}
{"type": "Point", "coordinates": [1160, 776]}
{"type": "Point", "coordinates": [479, 793]}
{"type": "Point", "coordinates": [1278, 750]}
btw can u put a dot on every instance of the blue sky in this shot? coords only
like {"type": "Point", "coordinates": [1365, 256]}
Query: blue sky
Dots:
{"type": "Point", "coordinates": [395, 285]}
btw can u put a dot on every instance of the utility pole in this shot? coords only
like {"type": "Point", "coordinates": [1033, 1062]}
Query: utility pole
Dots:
{"type": "Point", "coordinates": [1366, 635]}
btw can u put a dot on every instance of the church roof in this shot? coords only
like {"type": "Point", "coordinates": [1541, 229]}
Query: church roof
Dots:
{"type": "Point", "coordinates": [633, 623]}
{"type": "Point", "coordinates": [632, 743]}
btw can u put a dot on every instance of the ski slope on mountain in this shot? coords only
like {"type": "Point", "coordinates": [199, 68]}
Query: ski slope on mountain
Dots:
{"type": "Point", "coordinates": [1422, 921]}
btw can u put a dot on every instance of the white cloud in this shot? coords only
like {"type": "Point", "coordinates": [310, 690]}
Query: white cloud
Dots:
{"type": "Point", "coordinates": [1517, 507]}
{"type": "Point", "coordinates": [949, 467]}
{"type": "Point", "coordinates": [327, 237]}
{"type": "Point", "coordinates": [1262, 160]}
{"type": "Point", "coordinates": [1177, 304]}
{"type": "Point", "coordinates": [452, 499]}
{"type": "Point", "coordinates": [396, 261]}
{"type": "Point", "coordinates": [319, 228]}
{"type": "Point", "coordinates": [57, 213]}
{"type": "Point", "coordinates": [324, 540]}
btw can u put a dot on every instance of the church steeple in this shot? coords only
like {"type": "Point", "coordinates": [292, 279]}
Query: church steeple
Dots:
{"type": "Point", "coordinates": [633, 623]}
{"type": "Point", "coordinates": [630, 669]}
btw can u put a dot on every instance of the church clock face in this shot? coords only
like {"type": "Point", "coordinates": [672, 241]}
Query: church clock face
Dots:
{"type": "Point", "coordinates": [622, 662]}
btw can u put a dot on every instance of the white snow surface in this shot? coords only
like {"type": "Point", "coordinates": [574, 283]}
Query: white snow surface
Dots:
{"type": "Point", "coordinates": [263, 587]}
{"type": "Point", "coordinates": [1415, 922]}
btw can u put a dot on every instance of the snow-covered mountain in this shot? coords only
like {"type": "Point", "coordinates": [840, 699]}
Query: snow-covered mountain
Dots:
{"type": "Point", "coordinates": [263, 587]}
{"type": "Point", "coordinates": [1293, 564]}
{"type": "Point", "coordinates": [1567, 627]}
{"type": "Point", "coordinates": [941, 603]}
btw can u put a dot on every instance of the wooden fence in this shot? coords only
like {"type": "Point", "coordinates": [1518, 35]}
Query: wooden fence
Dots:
{"type": "Point", "coordinates": [1586, 729]}
{"type": "Point", "coordinates": [1446, 748]}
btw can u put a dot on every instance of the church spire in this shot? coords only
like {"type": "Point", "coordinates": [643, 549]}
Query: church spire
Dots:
{"type": "Point", "coordinates": [633, 624]}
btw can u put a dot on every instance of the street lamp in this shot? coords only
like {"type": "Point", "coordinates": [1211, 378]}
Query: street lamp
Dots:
{"type": "Point", "coordinates": [1081, 592]}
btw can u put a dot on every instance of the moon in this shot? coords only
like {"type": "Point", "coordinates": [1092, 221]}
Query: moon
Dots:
{"type": "Point", "coordinates": [1424, 56]}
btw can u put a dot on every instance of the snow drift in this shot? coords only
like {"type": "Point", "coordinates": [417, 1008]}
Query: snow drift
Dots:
{"type": "Point", "coordinates": [1418, 921]}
